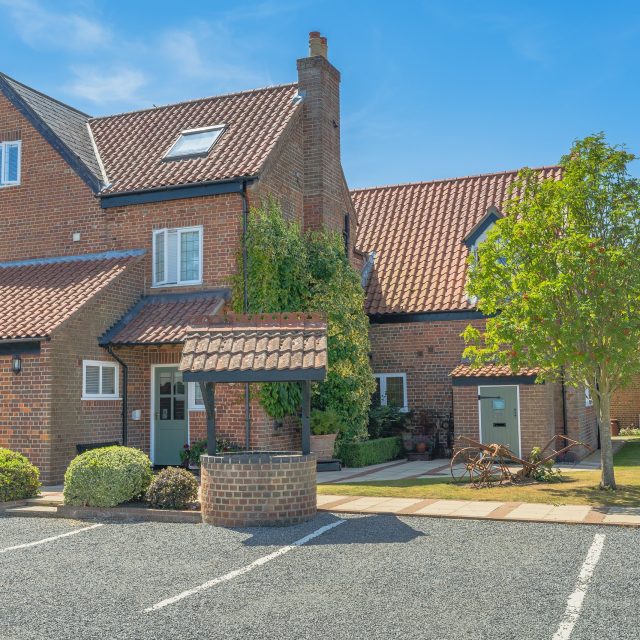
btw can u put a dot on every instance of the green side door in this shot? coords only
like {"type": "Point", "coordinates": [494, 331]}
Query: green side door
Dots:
{"type": "Point", "coordinates": [170, 415]}
{"type": "Point", "coordinates": [499, 422]}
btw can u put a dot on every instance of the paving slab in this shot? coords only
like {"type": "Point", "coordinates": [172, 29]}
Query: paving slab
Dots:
{"type": "Point", "coordinates": [441, 507]}
{"type": "Point", "coordinates": [477, 509]}
{"type": "Point", "coordinates": [530, 511]}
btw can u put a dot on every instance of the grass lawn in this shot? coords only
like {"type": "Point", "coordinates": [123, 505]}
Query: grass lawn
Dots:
{"type": "Point", "coordinates": [579, 487]}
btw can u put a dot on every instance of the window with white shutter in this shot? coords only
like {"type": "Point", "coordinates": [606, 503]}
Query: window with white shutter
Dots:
{"type": "Point", "coordinates": [99, 380]}
{"type": "Point", "coordinates": [177, 256]}
{"type": "Point", "coordinates": [10, 156]}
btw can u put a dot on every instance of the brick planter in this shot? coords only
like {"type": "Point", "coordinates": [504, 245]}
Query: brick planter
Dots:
{"type": "Point", "coordinates": [251, 489]}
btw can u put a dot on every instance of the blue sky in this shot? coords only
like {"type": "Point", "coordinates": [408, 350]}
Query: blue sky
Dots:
{"type": "Point", "coordinates": [429, 89]}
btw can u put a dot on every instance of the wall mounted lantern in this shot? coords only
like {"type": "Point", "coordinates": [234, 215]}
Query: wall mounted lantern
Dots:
{"type": "Point", "coordinates": [16, 364]}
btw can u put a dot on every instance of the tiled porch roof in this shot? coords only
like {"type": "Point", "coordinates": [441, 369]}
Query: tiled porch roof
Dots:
{"type": "Point", "coordinates": [39, 295]}
{"type": "Point", "coordinates": [490, 371]}
{"type": "Point", "coordinates": [164, 319]}
{"type": "Point", "coordinates": [286, 344]}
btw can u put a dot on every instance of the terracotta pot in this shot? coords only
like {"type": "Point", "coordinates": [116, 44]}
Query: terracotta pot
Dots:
{"type": "Point", "coordinates": [421, 447]}
{"type": "Point", "coordinates": [615, 427]}
{"type": "Point", "coordinates": [323, 446]}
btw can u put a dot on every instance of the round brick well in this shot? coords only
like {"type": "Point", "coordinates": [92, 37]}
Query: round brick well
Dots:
{"type": "Point", "coordinates": [258, 488]}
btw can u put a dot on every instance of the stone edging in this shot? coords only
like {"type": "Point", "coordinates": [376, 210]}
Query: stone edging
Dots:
{"type": "Point", "coordinates": [11, 504]}
{"type": "Point", "coordinates": [129, 513]}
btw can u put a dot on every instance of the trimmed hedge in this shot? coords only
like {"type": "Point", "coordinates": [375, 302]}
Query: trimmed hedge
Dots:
{"type": "Point", "coordinates": [107, 477]}
{"type": "Point", "coordinates": [19, 479]}
{"type": "Point", "coordinates": [173, 488]}
{"type": "Point", "coordinates": [362, 454]}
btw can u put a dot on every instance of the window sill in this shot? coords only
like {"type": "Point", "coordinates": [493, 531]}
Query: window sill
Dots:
{"type": "Point", "coordinates": [200, 409]}
{"type": "Point", "coordinates": [177, 284]}
{"type": "Point", "coordinates": [89, 398]}
{"type": "Point", "coordinates": [7, 186]}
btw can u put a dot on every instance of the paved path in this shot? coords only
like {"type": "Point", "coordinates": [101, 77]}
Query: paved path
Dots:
{"type": "Point", "coordinates": [402, 469]}
{"type": "Point", "coordinates": [480, 510]}
{"type": "Point", "coordinates": [363, 577]}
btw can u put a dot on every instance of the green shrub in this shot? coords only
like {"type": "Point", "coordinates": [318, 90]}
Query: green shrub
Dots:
{"type": "Point", "coordinates": [172, 488]}
{"type": "Point", "coordinates": [107, 477]}
{"type": "Point", "coordinates": [325, 422]}
{"type": "Point", "coordinates": [19, 479]}
{"type": "Point", "coordinates": [630, 432]}
{"type": "Point", "coordinates": [386, 421]}
{"type": "Point", "coordinates": [361, 454]}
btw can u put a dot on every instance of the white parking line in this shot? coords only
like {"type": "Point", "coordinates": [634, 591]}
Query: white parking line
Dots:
{"type": "Point", "coordinates": [250, 567]}
{"type": "Point", "coordinates": [51, 539]}
{"type": "Point", "coordinates": [574, 603]}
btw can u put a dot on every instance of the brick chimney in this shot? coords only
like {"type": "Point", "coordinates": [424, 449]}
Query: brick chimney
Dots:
{"type": "Point", "coordinates": [325, 200]}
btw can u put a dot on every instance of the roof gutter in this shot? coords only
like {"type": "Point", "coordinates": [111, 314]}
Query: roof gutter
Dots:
{"type": "Point", "coordinates": [175, 192]}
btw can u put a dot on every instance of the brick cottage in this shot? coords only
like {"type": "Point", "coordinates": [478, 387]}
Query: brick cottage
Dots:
{"type": "Point", "coordinates": [118, 231]}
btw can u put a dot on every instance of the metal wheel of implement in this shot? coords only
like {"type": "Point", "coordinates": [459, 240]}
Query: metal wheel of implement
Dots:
{"type": "Point", "coordinates": [463, 464]}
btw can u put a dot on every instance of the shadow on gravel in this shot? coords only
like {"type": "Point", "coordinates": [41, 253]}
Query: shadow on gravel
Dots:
{"type": "Point", "coordinates": [373, 529]}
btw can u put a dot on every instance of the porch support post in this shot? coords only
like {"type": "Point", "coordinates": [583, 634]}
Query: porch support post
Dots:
{"type": "Point", "coordinates": [208, 390]}
{"type": "Point", "coordinates": [306, 417]}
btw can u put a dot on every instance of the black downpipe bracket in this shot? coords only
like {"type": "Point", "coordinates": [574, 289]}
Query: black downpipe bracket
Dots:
{"type": "Point", "coordinates": [245, 305]}
{"type": "Point", "coordinates": [125, 380]}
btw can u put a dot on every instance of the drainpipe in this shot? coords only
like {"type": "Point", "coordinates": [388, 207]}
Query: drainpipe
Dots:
{"type": "Point", "coordinates": [125, 380]}
{"type": "Point", "coordinates": [245, 305]}
{"type": "Point", "coordinates": [565, 428]}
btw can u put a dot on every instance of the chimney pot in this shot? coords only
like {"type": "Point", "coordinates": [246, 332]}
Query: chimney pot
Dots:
{"type": "Point", "coordinates": [317, 45]}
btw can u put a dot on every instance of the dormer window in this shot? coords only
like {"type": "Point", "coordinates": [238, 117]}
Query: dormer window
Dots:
{"type": "Point", "coordinates": [10, 155]}
{"type": "Point", "coordinates": [194, 143]}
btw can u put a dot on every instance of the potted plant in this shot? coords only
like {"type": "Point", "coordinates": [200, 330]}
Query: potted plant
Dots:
{"type": "Point", "coordinates": [325, 427]}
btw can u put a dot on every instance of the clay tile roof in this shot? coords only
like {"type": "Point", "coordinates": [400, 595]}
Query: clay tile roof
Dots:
{"type": "Point", "coordinates": [132, 145]}
{"type": "Point", "coordinates": [39, 295]}
{"type": "Point", "coordinates": [289, 344]}
{"type": "Point", "coordinates": [417, 232]}
{"type": "Point", "coordinates": [163, 319]}
{"type": "Point", "coordinates": [490, 371]}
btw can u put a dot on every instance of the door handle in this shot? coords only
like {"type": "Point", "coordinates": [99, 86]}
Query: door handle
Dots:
{"type": "Point", "coordinates": [156, 415]}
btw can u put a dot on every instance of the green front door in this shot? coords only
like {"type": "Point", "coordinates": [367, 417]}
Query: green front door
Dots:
{"type": "Point", "coordinates": [499, 416]}
{"type": "Point", "coordinates": [170, 415]}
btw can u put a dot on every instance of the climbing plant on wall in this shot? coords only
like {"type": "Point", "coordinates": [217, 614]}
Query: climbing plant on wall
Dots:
{"type": "Point", "coordinates": [288, 270]}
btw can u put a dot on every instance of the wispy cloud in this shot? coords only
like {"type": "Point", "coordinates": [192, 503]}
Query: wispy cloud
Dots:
{"type": "Point", "coordinates": [210, 51]}
{"type": "Point", "coordinates": [43, 28]}
{"type": "Point", "coordinates": [104, 87]}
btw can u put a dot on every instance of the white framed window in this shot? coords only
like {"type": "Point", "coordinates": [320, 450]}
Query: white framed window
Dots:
{"type": "Point", "coordinates": [177, 256]}
{"type": "Point", "coordinates": [588, 400]}
{"type": "Point", "coordinates": [194, 142]}
{"type": "Point", "coordinates": [10, 157]}
{"type": "Point", "coordinates": [99, 380]}
{"type": "Point", "coordinates": [391, 390]}
{"type": "Point", "coordinates": [196, 403]}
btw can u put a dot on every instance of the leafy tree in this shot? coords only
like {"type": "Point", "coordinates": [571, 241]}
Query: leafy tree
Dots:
{"type": "Point", "coordinates": [559, 278]}
{"type": "Point", "coordinates": [292, 271]}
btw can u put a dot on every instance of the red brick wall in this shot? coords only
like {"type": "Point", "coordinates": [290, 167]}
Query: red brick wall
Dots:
{"type": "Point", "coordinates": [76, 421]}
{"type": "Point", "coordinates": [25, 414]}
{"type": "Point", "coordinates": [625, 405]}
{"type": "Point", "coordinates": [427, 352]}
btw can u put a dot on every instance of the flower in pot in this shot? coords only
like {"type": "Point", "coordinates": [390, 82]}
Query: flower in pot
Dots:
{"type": "Point", "coordinates": [325, 427]}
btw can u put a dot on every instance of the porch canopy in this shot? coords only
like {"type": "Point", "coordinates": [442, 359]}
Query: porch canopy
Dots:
{"type": "Point", "coordinates": [283, 347]}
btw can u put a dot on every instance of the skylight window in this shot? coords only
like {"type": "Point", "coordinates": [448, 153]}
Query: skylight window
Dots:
{"type": "Point", "coordinates": [194, 142]}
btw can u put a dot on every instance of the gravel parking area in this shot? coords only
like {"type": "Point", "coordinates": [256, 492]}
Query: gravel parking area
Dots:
{"type": "Point", "coordinates": [367, 577]}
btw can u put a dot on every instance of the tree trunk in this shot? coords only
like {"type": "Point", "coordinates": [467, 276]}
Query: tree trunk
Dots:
{"type": "Point", "coordinates": [607, 479]}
